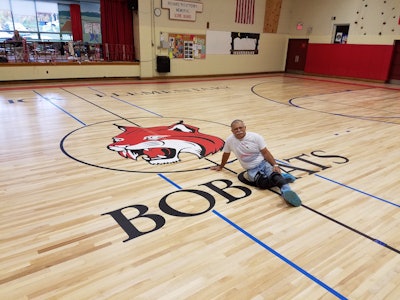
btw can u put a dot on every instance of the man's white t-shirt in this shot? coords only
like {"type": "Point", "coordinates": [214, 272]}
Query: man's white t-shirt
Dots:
{"type": "Point", "coordinates": [247, 150]}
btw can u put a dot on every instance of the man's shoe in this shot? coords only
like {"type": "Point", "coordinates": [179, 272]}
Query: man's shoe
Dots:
{"type": "Point", "coordinates": [288, 177]}
{"type": "Point", "coordinates": [291, 198]}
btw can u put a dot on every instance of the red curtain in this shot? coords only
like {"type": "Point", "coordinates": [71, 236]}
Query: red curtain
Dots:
{"type": "Point", "coordinates": [76, 22]}
{"type": "Point", "coordinates": [117, 30]}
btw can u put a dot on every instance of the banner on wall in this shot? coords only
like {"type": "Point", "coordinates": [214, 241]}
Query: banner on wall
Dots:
{"type": "Point", "coordinates": [186, 46]}
{"type": "Point", "coordinates": [245, 11]}
{"type": "Point", "coordinates": [235, 43]}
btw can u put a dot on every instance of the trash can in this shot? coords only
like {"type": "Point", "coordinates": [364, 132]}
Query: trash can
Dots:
{"type": "Point", "coordinates": [163, 64]}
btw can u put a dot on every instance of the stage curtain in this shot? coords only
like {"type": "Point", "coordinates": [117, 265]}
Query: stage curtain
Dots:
{"type": "Point", "coordinates": [117, 30]}
{"type": "Point", "coordinates": [76, 22]}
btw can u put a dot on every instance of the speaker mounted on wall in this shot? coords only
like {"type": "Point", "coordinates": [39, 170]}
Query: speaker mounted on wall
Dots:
{"type": "Point", "coordinates": [133, 4]}
{"type": "Point", "coordinates": [163, 64]}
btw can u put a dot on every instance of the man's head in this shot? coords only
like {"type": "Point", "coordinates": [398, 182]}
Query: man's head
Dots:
{"type": "Point", "coordinates": [238, 129]}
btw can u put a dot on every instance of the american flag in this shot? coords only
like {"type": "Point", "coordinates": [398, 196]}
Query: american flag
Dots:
{"type": "Point", "coordinates": [245, 11]}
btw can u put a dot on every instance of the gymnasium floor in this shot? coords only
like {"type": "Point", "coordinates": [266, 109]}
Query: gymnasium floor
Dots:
{"type": "Point", "coordinates": [107, 193]}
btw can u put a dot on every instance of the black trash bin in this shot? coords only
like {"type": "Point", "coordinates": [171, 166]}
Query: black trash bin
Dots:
{"type": "Point", "coordinates": [163, 64]}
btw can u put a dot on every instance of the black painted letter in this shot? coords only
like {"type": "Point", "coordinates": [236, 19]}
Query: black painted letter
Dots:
{"type": "Point", "coordinates": [165, 207]}
{"type": "Point", "coordinates": [228, 184]}
{"type": "Point", "coordinates": [129, 228]}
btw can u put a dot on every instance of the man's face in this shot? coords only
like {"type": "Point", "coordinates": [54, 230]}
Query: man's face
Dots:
{"type": "Point", "coordinates": [239, 130]}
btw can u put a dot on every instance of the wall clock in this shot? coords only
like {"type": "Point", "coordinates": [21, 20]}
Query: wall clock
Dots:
{"type": "Point", "coordinates": [157, 12]}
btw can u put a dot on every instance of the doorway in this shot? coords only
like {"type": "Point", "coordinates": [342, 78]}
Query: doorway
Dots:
{"type": "Point", "coordinates": [296, 55]}
{"type": "Point", "coordinates": [394, 74]}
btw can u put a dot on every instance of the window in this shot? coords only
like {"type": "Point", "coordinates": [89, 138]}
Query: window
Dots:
{"type": "Point", "coordinates": [90, 14]}
{"type": "Point", "coordinates": [24, 15]}
{"type": "Point", "coordinates": [341, 32]}
{"type": "Point", "coordinates": [6, 24]}
{"type": "Point", "coordinates": [47, 17]}
{"type": "Point", "coordinates": [48, 21]}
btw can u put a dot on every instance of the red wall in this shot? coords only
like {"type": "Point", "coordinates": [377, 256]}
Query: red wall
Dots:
{"type": "Point", "coordinates": [348, 60]}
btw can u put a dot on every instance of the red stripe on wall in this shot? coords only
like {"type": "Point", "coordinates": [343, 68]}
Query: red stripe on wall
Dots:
{"type": "Point", "coordinates": [349, 60]}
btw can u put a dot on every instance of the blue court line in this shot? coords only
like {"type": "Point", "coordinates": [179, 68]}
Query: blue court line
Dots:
{"type": "Point", "coordinates": [266, 247]}
{"type": "Point", "coordinates": [329, 289]}
{"type": "Point", "coordinates": [359, 191]}
{"type": "Point", "coordinates": [347, 226]}
{"type": "Point", "coordinates": [60, 108]}
{"type": "Point", "coordinates": [126, 102]}
{"type": "Point", "coordinates": [170, 181]}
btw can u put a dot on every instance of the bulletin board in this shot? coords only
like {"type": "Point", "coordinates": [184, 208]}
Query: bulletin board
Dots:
{"type": "Point", "coordinates": [185, 46]}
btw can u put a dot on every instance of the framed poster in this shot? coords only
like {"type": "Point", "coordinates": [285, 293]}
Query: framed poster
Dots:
{"type": "Point", "coordinates": [185, 46]}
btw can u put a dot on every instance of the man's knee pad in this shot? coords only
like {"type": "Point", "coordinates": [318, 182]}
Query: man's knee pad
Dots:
{"type": "Point", "coordinates": [277, 179]}
{"type": "Point", "coordinates": [262, 181]}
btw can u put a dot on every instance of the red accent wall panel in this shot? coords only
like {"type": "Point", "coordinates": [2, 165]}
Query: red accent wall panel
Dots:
{"type": "Point", "coordinates": [349, 60]}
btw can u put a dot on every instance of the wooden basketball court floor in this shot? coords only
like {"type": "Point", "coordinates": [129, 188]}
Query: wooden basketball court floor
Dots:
{"type": "Point", "coordinates": [90, 211]}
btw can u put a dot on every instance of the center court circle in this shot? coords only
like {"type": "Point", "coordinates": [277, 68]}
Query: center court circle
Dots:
{"type": "Point", "coordinates": [89, 145]}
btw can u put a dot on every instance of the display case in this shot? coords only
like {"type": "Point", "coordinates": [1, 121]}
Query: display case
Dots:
{"type": "Point", "coordinates": [49, 51]}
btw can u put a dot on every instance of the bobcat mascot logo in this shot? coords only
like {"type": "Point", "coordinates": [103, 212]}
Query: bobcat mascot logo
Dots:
{"type": "Point", "coordinates": [163, 144]}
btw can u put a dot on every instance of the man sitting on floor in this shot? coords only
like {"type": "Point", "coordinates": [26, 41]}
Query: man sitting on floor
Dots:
{"type": "Point", "coordinates": [261, 167]}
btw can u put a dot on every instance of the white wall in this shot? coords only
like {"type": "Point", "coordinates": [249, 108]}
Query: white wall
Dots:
{"type": "Point", "coordinates": [366, 27]}
{"type": "Point", "coordinates": [10, 72]}
{"type": "Point", "coordinates": [366, 19]}
{"type": "Point", "coordinates": [220, 16]}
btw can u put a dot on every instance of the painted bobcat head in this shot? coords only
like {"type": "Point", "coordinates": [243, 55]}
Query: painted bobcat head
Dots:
{"type": "Point", "coordinates": [163, 144]}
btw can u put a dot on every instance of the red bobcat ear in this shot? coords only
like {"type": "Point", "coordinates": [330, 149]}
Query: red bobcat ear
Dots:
{"type": "Point", "coordinates": [121, 127]}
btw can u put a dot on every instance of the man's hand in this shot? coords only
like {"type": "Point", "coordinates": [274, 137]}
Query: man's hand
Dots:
{"type": "Point", "coordinates": [224, 160]}
{"type": "Point", "coordinates": [216, 168]}
{"type": "Point", "coordinates": [276, 169]}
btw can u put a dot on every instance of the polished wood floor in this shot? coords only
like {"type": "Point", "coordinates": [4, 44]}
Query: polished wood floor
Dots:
{"type": "Point", "coordinates": [82, 217]}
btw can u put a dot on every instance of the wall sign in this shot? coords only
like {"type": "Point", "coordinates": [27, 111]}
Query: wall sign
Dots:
{"type": "Point", "coordinates": [182, 10]}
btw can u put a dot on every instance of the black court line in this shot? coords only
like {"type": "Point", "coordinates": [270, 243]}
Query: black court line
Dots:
{"type": "Point", "coordinates": [373, 119]}
{"type": "Point", "coordinates": [379, 242]}
{"type": "Point", "coordinates": [394, 99]}
{"type": "Point", "coordinates": [137, 106]}
{"type": "Point", "coordinates": [265, 246]}
{"type": "Point", "coordinates": [303, 205]}
{"type": "Point", "coordinates": [352, 229]}
{"type": "Point", "coordinates": [291, 101]}
{"type": "Point", "coordinates": [59, 107]}
{"type": "Point", "coordinates": [358, 191]}
{"type": "Point", "coordinates": [115, 96]}
{"type": "Point", "coordinates": [100, 107]}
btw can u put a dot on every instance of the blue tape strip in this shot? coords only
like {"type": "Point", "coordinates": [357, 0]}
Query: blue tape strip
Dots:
{"type": "Point", "coordinates": [380, 242]}
{"type": "Point", "coordinates": [332, 291]}
{"type": "Point", "coordinates": [316, 280]}
{"type": "Point", "coordinates": [60, 108]}
{"type": "Point", "coordinates": [354, 189]}
{"type": "Point", "coordinates": [170, 181]}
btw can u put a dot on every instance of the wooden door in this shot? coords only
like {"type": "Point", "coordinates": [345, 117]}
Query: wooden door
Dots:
{"type": "Point", "coordinates": [394, 75]}
{"type": "Point", "coordinates": [296, 55]}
